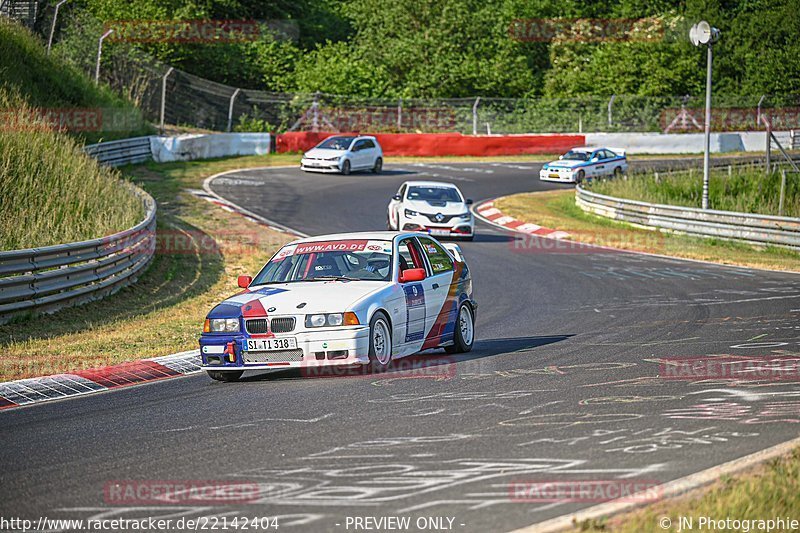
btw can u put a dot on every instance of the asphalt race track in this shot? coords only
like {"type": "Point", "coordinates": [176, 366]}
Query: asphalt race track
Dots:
{"type": "Point", "coordinates": [563, 384]}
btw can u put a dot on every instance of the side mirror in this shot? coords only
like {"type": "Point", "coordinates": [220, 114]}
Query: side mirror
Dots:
{"type": "Point", "coordinates": [396, 197]}
{"type": "Point", "coordinates": [412, 274]}
{"type": "Point", "coordinates": [469, 201]}
{"type": "Point", "coordinates": [244, 281]}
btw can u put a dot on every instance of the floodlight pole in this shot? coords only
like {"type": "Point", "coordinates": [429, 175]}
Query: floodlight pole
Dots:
{"type": "Point", "coordinates": [53, 26]}
{"type": "Point", "coordinates": [707, 141]}
{"type": "Point", "coordinates": [99, 55]}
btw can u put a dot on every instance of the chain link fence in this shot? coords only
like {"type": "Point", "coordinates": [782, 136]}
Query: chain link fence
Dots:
{"type": "Point", "coordinates": [171, 97]}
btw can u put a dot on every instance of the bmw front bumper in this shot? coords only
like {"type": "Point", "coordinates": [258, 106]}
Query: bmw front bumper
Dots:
{"type": "Point", "coordinates": [348, 345]}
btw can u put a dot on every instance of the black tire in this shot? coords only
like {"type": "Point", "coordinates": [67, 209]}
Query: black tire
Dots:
{"type": "Point", "coordinates": [460, 344]}
{"type": "Point", "coordinates": [225, 375]}
{"type": "Point", "coordinates": [346, 167]}
{"type": "Point", "coordinates": [379, 362]}
{"type": "Point", "coordinates": [579, 176]}
{"type": "Point", "coordinates": [618, 172]}
{"type": "Point", "coordinates": [378, 166]}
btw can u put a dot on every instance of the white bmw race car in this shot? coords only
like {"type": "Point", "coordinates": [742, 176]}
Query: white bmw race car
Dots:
{"type": "Point", "coordinates": [346, 299]}
{"type": "Point", "coordinates": [344, 153]}
{"type": "Point", "coordinates": [432, 207]}
{"type": "Point", "coordinates": [585, 163]}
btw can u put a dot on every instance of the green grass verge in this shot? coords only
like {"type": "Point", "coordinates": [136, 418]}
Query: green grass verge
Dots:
{"type": "Point", "coordinates": [746, 189]}
{"type": "Point", "coordinates": [45, 83]}
{"type": "Point", "coordinates": [201, 251]}
{"type": "Point", "coordinates": [768, 491]}
{"type": "Point", "coordinates": [557, 210]}
{"type": "Point", "coordinates": [52, 193]}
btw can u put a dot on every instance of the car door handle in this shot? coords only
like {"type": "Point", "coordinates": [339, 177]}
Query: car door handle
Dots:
{"type": "Point", "coordinates": [435, 285]}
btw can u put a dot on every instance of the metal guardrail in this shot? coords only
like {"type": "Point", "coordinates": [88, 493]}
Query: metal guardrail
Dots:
{"type": "Point", "coordinates": [122, 152]}
{"type": "Point", "coordinates": [46, 279]}
{"type": "Point", "coordinates": [748, 227]}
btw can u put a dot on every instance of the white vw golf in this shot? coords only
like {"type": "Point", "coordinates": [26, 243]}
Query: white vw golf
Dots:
{"type": "Point", "coordinates": [432, 207]}
{"type": "Point", "coordinates": [344, 153]}
{"type": "Point", "coordinates": [347, 299]}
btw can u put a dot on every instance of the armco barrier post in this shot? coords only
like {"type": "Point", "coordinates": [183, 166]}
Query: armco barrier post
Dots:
{"type": "Point", "coordinates": [783, 192]}
{"type": "Point", "coordinates": [230, 108]}
{"type": "Point", "coordinates": [400, 115]}
{"type": "Point", "coordinates": [163, 99]}
{"type": "Point", "coordinates": [475, 116]}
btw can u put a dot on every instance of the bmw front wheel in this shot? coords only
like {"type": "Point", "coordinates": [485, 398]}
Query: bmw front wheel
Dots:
{"type": "Point", "coordinates": [380, 341]}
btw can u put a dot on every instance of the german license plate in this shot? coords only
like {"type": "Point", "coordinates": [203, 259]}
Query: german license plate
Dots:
{"type": "Point", "coordinates": [268, 345]}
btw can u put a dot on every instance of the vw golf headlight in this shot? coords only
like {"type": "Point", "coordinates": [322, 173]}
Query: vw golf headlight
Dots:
{"type": "Point", "coordinates": [410, 213]}
{"type": "Point", "coordinates": [331, 319]}
{"type": "Point", "coordinates": [221, 325]}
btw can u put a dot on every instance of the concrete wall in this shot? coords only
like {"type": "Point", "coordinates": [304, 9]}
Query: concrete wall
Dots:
{"type": "Point", "coordinates": [681, 143]}
{"type": "Point", "coordinates": [196, 146]}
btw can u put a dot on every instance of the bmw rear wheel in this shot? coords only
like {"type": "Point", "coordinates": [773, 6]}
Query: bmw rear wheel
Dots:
{"type": "Point", "coordinates": [618, 172]}
{"type": "Point", "coordinates": [464, 335]}
{"type": "Point", "coordinates": [380, 341]}
{"type": "Point", "coordinates": [229, 376]}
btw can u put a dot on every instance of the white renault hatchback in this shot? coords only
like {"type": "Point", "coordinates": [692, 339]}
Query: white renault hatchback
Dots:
{"type": "Point", "coordinates": [432, 207]}
{"type": "Point", "coordinates": [344, 153]}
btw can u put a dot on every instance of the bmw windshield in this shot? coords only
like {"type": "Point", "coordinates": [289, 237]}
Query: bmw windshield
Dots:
{"type": "Point", "coordinates": [345, 260]}
{"type": "Point", "coordinates": [577, 156]}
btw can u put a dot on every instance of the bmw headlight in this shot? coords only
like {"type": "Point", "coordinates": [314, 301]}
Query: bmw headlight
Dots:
{"type": "Point", "coordinates": [221, 325]}
{"type": "Point", "coordinates": [410, 213]}
{"type": "Point", "coordinates": [331, 319]}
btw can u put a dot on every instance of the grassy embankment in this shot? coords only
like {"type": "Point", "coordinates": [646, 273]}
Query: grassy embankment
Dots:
{"type": "Point", "coordinates": [202, 249]}
{"type": "Point", "coordinates": [768, 491]}
{"type": "Point", "coordinates": [59, 91]}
